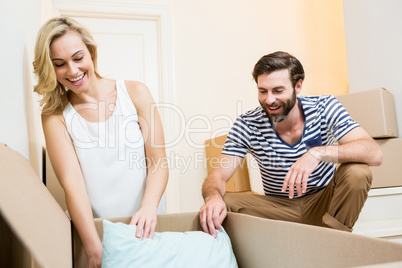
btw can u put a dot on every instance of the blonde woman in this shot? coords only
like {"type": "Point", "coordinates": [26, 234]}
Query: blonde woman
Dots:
{"type": "Point", "coordinates": [98, 135]}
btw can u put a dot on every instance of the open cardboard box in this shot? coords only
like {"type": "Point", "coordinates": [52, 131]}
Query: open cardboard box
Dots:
{"type": "Point", "coordinates": [30, 217]}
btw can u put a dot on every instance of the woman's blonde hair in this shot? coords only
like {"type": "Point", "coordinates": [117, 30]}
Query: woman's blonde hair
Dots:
{"type": "Point", "coordinates": [54, 97]}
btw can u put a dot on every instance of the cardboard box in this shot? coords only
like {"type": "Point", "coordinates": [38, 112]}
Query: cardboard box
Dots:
{"type": "Point", "coordinates": [239, 182]}
{"type": "Point", "coordinates": [374, 110]}
{"type": "Point", "coordinates": [53, 185]}
{"type": "Point", "coordinates": [389, 174]}
{"type": "Point", "coordinates": [30, 215]}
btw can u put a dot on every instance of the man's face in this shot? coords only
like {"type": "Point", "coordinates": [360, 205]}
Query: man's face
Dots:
{"type": "Point", "coordinates": [276, 94]}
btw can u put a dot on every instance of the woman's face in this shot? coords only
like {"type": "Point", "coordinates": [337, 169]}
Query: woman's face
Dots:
{"type": "Point", "coordinates": [72, 62]}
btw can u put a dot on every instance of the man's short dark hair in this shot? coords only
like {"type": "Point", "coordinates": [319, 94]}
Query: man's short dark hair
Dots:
{"type": "Point", "coordinates": [279, 61]}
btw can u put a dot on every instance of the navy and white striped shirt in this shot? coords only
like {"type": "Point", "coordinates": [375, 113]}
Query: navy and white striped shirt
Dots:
{"type": "Point", "coordinates": [325, 121]}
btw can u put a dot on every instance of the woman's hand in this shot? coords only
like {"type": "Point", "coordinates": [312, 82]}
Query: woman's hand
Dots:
{"type": "Point", "coordinates": [94, 257]}
{"type": "Point", "coordinates": [145, 219]}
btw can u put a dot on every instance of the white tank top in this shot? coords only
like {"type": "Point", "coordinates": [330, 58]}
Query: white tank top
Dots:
{"type": "Point", "coordinates": [112, 157]}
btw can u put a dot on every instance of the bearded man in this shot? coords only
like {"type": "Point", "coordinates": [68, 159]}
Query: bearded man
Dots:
{"type": "Point", "coordinates": [296, 140]}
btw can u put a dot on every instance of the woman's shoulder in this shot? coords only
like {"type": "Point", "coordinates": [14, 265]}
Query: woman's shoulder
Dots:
{"type": "Point", "coordinates": [138, 92]}
{"type": "Point", "coordinates": [135, 86]}
{"type": "Point", "coordinates": [52, 119]}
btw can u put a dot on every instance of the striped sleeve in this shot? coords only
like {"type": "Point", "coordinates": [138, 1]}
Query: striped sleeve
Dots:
{"type": "Point", "coordinates": [238, 139]}
{"type": "Point", "coordinates": [338, 119]}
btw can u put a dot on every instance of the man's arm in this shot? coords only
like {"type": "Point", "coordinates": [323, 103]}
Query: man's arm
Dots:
{"type": "Point", "coordinates": [355, 146]}
{"type": "Point", "coordinates": [213, 212]}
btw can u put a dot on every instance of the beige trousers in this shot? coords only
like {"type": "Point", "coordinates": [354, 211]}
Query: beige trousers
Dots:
{"type": "Point", "coordinates": [337, 206]}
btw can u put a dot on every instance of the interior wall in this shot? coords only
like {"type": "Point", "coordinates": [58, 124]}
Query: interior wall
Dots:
{"type": "Point", "coordinates": [19, 114]}
{"type": "Point", "coordinates": [217, 43]}
{"type": "Point", "coordinates": [16, 25]}
{"type": "Point", "coordinates": [374, 43]}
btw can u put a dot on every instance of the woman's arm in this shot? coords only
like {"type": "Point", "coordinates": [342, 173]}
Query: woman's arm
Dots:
{"type": "Point", "coordinates": [68, 171]}
{"type": "Point", "coordinates": [157, 166]}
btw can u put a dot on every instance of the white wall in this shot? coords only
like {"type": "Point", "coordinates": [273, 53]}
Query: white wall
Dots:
{"type": "Point", "coordinates": [15, 25]}
{"type": "Point", "coordinates": [19, 113]}
{"type": "Point", "coordinates": [216, 44]}
{"type": "Point", "coordinates": [374, 47]}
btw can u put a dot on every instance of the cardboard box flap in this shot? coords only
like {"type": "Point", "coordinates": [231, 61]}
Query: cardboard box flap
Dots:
{"type": "Point", "coordinates": [259, 242]}
{"type": "Point", "coordinates": [173, 222]}
{"type": "Point", "coordinates": [32, 213]}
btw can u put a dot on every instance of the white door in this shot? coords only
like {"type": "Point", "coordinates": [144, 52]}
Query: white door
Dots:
{"type": "Point", "coordinates": [127, 49]}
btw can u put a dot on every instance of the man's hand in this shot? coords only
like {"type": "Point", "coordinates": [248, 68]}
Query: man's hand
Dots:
{"type": "Point", "coordinates": [212, 215]}
{"type": "Point", "coordinates": [214, 211]}
{"type": "Point", "coordinates": [299, 173]}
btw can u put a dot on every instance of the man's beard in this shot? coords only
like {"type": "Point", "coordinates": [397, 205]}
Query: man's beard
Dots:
{"type": "Point", "coordinates": [287, 107]}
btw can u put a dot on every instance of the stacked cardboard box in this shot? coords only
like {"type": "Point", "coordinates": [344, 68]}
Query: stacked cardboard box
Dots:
{"type": "Point", "coordinates": [374, 110]}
